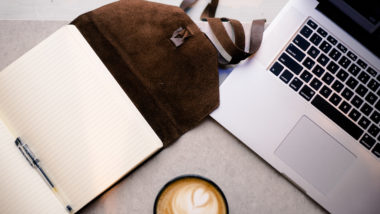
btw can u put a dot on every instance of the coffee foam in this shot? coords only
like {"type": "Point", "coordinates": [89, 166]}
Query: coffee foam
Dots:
{"type": "Point", "coordinates": [190, 196]}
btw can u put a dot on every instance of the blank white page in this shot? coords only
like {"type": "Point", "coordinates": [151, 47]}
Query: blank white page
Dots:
{"type": "Point", "coordinates": [21, 188]}
{"type": "Point", "coordinates": [62, 101]}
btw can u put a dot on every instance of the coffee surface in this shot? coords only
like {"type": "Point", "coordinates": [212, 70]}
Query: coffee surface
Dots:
{"type": "Point", "coordinates": [190, 196]}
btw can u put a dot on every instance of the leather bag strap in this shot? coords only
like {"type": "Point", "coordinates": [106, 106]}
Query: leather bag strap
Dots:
{"type": "Point", "coordinates": [209, 11]}
{"type": "Point", "coordinates": [236, 49]}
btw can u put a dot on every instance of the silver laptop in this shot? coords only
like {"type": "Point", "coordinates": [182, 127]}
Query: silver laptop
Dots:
{"type": "Point", "coordinates": [309, 101]}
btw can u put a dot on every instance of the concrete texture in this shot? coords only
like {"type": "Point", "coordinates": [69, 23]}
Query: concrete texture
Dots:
{"type": "Point", "coordinates": [249, 183]}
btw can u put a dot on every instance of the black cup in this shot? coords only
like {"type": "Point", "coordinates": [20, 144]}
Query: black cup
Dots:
{"type": "Point", "coordinates": [196, 178]}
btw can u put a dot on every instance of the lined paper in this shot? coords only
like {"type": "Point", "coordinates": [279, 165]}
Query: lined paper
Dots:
{"type": "Point", "coordinates": [63, 102]}
{"type": "Point", "coordinates": [21, 188]}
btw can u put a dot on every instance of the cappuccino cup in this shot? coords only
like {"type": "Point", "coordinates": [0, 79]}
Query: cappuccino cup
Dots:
{"type": "Point", "coordinates": [190, 194]}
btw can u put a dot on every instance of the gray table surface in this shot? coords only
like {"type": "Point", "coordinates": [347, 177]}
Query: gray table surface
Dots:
{"type": "Point", "coordinates": [248, 182]}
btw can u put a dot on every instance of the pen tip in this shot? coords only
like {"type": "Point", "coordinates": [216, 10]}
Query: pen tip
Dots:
{"type": "Point", "coordinates": [17, 141]}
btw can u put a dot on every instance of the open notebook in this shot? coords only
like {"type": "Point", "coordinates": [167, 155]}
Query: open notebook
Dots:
{"type": "Point", "coordinates": [62, 101]}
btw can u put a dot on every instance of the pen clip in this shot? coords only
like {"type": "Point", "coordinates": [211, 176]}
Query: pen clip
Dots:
{"type": "Point", "coordinates": [26, 152]}
{"type": "Point", "coordinates": [30, 154]}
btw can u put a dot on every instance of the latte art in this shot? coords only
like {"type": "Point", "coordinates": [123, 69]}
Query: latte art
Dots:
{"type": "Point", "coordinates": [190, 195]}
{"type": "Point", "coordinates": [193, 200]}
{"type": "Point", "coordinates": [200, 197]}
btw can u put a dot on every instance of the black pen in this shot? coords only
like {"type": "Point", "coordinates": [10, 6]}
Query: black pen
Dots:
{"type": "Point", "coordinates": [34, 162]}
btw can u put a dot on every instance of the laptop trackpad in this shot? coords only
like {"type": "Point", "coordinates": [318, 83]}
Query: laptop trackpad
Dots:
{"type": "Point", "coordinates": [315, 155]}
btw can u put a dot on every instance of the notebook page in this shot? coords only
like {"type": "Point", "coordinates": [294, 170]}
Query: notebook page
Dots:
{"type": "Point", "coordinates": [62, 101]}
{"type": "Point", "coordinates": [21, 188]}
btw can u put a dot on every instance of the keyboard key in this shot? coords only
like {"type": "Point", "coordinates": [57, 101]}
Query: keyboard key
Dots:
{"type": "Point", "coordinates": [335, 99]}
{"type": "Point", "coordinates": [362, 64]}
{"type": "Point", "coordinates": [371, 98]}
{"type": "Point", "coordinates": [363, 77]}
{"type": "Point", "coordinates": [325, 91]}
{"type": "Point", "coordinates": [373, 130]}
{"type": "Point", "coordinates": [371, 71]}
{"type": "Point", "coordinates": [325, 47]}
{"type": "Point", "coordinates": [313, 52]}
{"type": "Point", "coordinates": [316, 84]}
{"type": "Point", "coordinates": [377, 106]}
{"type": "Point", "coordinates": [308, 63]}
{"type": "Point", "coordinates": [361, 90]}
{"type": "Point", "coordinates": [286, 76]}
{"type": "Point", "coordinates": [306, 76]}
{"type": "Point", "coordinates": [352, 83]}
{"type": "Point", "coordinates": [332, 40]}
{"type": "Point", "coordinates": [345, 107]}
{"type": "Point", "coordinates": [323, 60]}
{"type": "Point", "coordinates": [335, 54]}
{"type": "Point", "coordinates": [376, 150]}
{"type": "Point", "coordinates": [296, 84]}
{"type": "Point", "coordinates": [352, 56]}
{"type": "Point", "coordinates": [375, 117]}
{"type": "Point", "coordinates": [367, 141]}
{"type": "Point", "coordinates": [344, 62]}
{"type": "Point", "coordinates": [312, 24]}
{"type": "Point", "coordinates": [364, 122]}
{"type": "Point", "coordinates": [306, 32]}
{"type": "Point", "coordinates": [340, 119]}
{"type": "Point", "coordinates": [347, 94]}
{"type": "Point", "coordinates": [342, 48]}
{"type": "Point", "coordinates": [293, 51]}
{"type": "Point", "coordinates": [307, 93]}
{"type": "Point", "coordinates": [301, 42]}
{"type": "Point", "coordinates": [337, 86]}
{"type": "Point", "coordinates": [354, 69]}
{"type": "Point", "coordinates": [373, 85]}
{"type": "Point", "coordinates": [354, 114]}
{"type": "Point", "coordinates": [327, 78]}
{"type": "Point", "coordinates": [315, 39]}
{"type": "Point", "coordinates": [276, 68]}
{"type": "Point", "coordinates": [332, 67]}
{"type": "Point", "coordinates": [366, 109]}
{"type": "Point", "coordinates": [318, 70]}
{"type": "Point", "coordinates": [322, 32]}
{"type": "Point", "coordinates": [342, 75]}
{"type": "Point", "coordinates": [356, 101]}
{"type": "Point", "coordinates": [290, 63]}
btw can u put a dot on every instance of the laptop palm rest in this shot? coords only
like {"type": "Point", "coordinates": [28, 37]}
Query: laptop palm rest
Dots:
{"type": "Point", "coordinates": [308, 150]}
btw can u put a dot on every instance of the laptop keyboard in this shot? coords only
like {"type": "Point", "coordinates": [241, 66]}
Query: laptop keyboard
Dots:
{"type": "Point", "coordinates": [340, 84]}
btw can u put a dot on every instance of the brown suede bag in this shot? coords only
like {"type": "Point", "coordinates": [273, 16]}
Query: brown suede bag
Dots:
{"type": "Point", "coordinates": [160, 58]}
